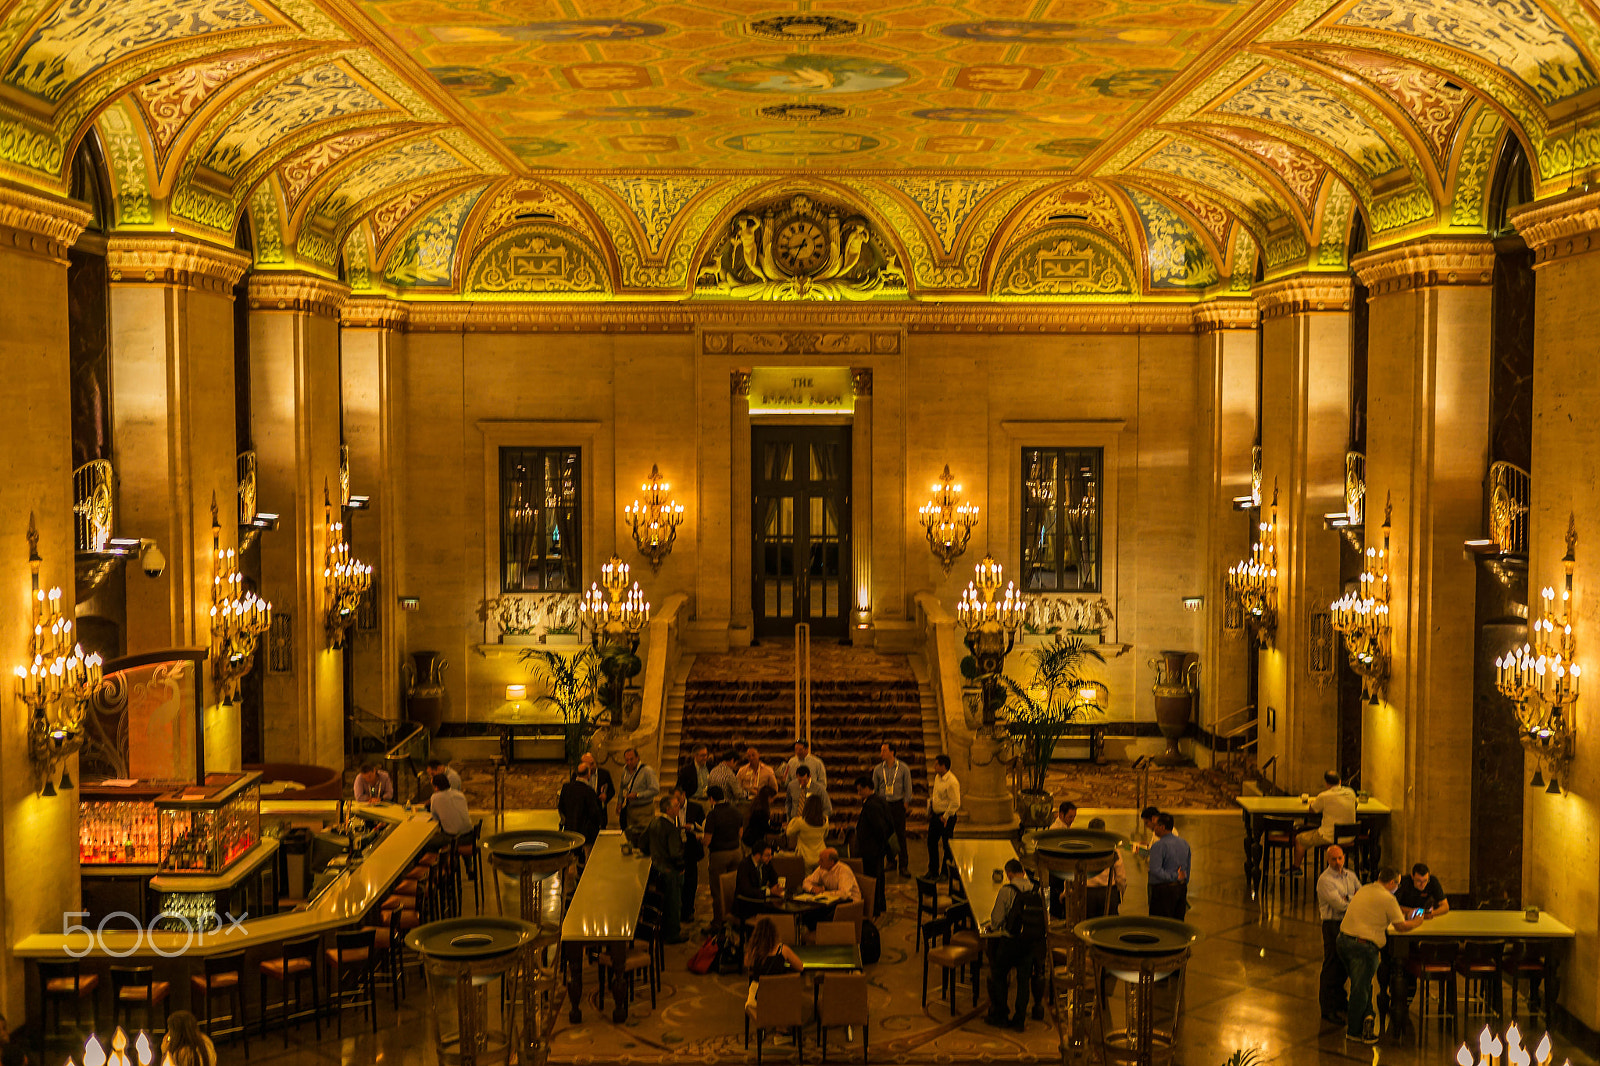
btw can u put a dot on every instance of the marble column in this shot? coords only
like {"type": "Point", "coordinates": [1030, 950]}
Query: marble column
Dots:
{"type": "Point", "coordinates": [176, 444]}
{"type": "Point", "coordinates": [1427, 452]}
{"type": "Point", "coordinates": [1561, 834]}
{"type": "Point", "coordinates": [38, 834]}
{"type": "Point", "coordinates": [1305, 426]}
{"type": "Point", "coordinates": [295, 400]}
{"type": "Point", "coordinates": [372, 344]}
{"type": "Point", "coordinates": [1227, 388]}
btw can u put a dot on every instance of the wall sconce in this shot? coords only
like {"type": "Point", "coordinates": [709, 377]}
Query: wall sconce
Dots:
{"type": "Point", "coordinates": [1254, 582]}
{"type": "Point", "coordinates": [615, 618]}
{"type": "Point", "coordinates": [991, 626]}
{"type": "Point", "coordinates": [947, 520]}
{"type": "Point", "coordinates": [238, 618]}
{"type": "Point", "coordinates": [1541, 678]}
{"type": "Point", "coordinates": [655, 521]}
{"type": "Point", "coordinates": [57, 682]}
{"type": "Point", "coordinates": [1362, 618]}
{"type": "Point", "coordinates": [345, 579]}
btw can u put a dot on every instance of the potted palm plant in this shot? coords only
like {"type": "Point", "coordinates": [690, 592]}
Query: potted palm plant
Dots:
{"type": "Point", "coordinates": [1039, 714]}
{"type": "Point", "coordinates": [571, 686]}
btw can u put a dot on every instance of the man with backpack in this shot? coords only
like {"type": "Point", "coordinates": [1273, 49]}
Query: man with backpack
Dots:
{"type": "Point", "coordinates": [1017, 928]}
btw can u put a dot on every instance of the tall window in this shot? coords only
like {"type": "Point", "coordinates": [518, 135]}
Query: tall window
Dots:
{"type": "Point", "coordinates": [540, 547]}
{"type": "Point", "coordinates": [1061, 519]}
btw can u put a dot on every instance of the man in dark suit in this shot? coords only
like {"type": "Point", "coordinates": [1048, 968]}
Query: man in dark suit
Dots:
{"type": "Point", "coordinates": [580, 809]}
{"type": "Point", "coordinates": [757, 882]}
{"type": "Point", "coordinates": [597, 777]}
{"type": "Point", "coordinates": [692, 816]}
{"type": "Point", "coordinates": [875, 835]}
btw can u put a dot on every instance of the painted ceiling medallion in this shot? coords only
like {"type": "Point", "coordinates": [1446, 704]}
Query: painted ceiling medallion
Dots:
{"type": "Point", "coordinates": [800, 250]}
{"type": "Point", "coordinates": [794, 74]}
{"type": "Point", "coordinates": [802, 142]}
{"type": "Point", "coordinates": [800, 112]}
{"type": "Point", "coordinates": [803, 27]}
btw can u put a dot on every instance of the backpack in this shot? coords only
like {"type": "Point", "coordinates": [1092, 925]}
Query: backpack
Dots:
{"type": "Point", "coordinates": [871, 943]}
{"type": "Point", "coordinates": [729, 958]}
{"type": "Point", "coordinates": [1027, 920]}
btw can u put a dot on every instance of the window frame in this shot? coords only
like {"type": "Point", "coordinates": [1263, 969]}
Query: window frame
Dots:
{"type": "Point", "coordinates": [535, 457]}
{"type": "Point", "coordinates": [1063, 455]}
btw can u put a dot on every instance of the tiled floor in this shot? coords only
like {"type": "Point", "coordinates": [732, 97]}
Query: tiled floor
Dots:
{"type": "Point", "coordinates": [1251, 984]}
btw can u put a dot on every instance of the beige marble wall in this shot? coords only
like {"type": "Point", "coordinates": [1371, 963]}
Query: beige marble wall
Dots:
{"type": "Point", "coordinates": [38, 835]}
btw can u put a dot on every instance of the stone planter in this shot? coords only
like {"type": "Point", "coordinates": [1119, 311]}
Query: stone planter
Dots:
{"type": "Point", "coordinates": [519, 640]}
{"type": "Point", "coordinates": [562, 640]}
{"type": "Point", "coordinates": [1176, 672]}
{"type": "Point", "coordinates": [1036, 809]}
{"type": "Point", "coordinates": [426, 697]}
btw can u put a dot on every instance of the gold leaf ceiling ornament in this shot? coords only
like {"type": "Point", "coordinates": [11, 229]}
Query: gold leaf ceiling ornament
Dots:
{"type": "Point", "coordinates": [324, 92]}
{"type": "Point", "coordinates": [170, 99]}
{"type": "Point", "coordinates": [947, 203]}
{"type": "Point", "coordinates": [130, 172]}
{"type": "Point", "coordinates": [1241, 278]}
{"type": "Point", "coordinates": [300, 171]}
{"type": "Point", "coordinates": [517, 200]}
{"type": "Point", "coordinates": [537, 261]}
{"type": "Point", "coordinates": [1066, 262]}
{"type": "Point", "coordinates": [1432, 102]}
{"type": "Point", "coordinates": [656, 202]}
{"type": "Point", "coordinates": [426, 254]}
{"type": "Point", "coordinates": [1299, 170]}
{"type": "Point", "coordinates": [1475, 169]}
{"type": "Point", "coordinates": [1175, 256]}
{"type": "Point", "coordinates": [1084, 202]}
{"type": "Point", "coordinates": [798, 248]}
{"type": "Point", "coordinates": [1333, 230]}
{"type": "Point", "coordinates": [1286, 99]}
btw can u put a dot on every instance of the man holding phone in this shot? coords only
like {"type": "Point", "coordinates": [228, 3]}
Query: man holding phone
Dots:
{"type": "Point", "coordinates": [1422, 892]}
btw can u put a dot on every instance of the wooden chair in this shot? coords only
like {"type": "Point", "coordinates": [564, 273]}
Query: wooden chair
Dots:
{"type": "Point", "coordinates": [1432, 967]}
{"type": "Point", "coordinates": [65, 982]}
{"type": "Point", "coordinates": [952, 959]}
{"type": "Point", "coordinates": [1277, 843]}
{"type": "Point", "coordinates": [857, 867]}
{"type": "Point", "coordinates": [388, 939]}
{"type": "Point", "coordinates": [1478, 966]}
{"type": "Point", "coordinates": [788, 929]}
{"type": "Point", "coordinates": [927, 902]}
{"type": "Point", "coordinates": [468, 854]}
{"type": "Point", "coordinates": [780, 1004]}
{"type": "Point", "coordinates": [869, 895]}
{"type": "Point", "coordinates": [963, 928]}
{"type": "Point", "coordinates": [220, 978]}
{"type": "Point", "coordinates": [136, 986]}
{"type": "Point", "coordinates": [1528, 961]}
{"type": "Point", "coordinates": [296, 962]}
{"type": "Point", "coordinates": [842, 1001]}
{"type": "Point", "coordinates": [641, 956]}
{"type": "Point", "coordinates": [837, 932]}
{"type": "Point", "coordinates": [854, 913]}
{"type": "Point", "coordinates": [792, 868]}
{"type": "Point", "coordinates": [351, 964]}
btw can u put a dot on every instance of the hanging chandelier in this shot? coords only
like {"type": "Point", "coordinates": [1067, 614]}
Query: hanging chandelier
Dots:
{"type": "Point", "coordinates": [344, 577]}
{"type": "Point", "coordinates": [1253, 583]}
{"type": "Point", "coordinates": [947, 520]}
{"type": "Point", "coordinates": [238, 618]}
{"type": "Point", "coordinates": [991, 618]}
{"type": "Point", "coordinates": [1362, 618]}
{"type": "Point", "coordinates": [655, 521]}
{"type": "Point", "coordinates": [1541, 677]}
{"type": "Point", "coordinates": [57, 682]}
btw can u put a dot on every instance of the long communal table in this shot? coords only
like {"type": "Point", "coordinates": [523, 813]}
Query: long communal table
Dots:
{"type": "Point", "coordinates": [1464, 925]}
{"type": "Point", "coordinates": [976, 860]}
{"type": "Point", "coordinates": [604, 911]}
{"type": "Point", "coordinates": [1259, 808]}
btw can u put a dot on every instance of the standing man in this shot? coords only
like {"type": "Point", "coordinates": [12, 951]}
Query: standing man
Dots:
{"type": "Point", "coordinates": [1335, 888]}
{"type": "Point", "coordinates": [724, 826]}
{"type": "Point", "coordinates": [892, 780]}
{"type": "Point", "coordinates": [1337, 805]}
{"type": "Point", "coordinates": [725, 776]}
{"type": "Point", "coordinates": [1107, 887]}
{"type": "Point", "coordinates": [699, 772]}
{"type": "Point", "coordinates": [580, 809]}
{"type": "Point", "coordinates": [667, 861]}
{"type": "Point", "coordinates": [1169, 871]}
{"type": "Point", "coordinates": [640, 789]}
{"type": "Point", "coordinates": [802, 757]}
{"type": "Point", "coordinates": [755, 773]}
{"type": "Point", "coordinates": [944, 802]}
{"type": "Point", "coordinates": [1017, 928]}
{"type": "Point", "coordinates": [801, 785]}
{"type": "Point", "coordinates": [691, 820]}
{"type": "Point", "coordinates": [874, 836]}
{"type": "Point", "coordinates": [597, 777]}
{"type": "Point", "coordinates": [1362, 934]}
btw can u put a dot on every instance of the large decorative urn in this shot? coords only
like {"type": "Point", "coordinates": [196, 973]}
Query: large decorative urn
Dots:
{"type": "Point", "coordinates": [1177, 673]}
{"type": "Point", "coordinates": [426, 698]}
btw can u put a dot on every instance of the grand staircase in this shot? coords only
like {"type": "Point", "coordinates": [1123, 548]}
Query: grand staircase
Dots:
{"type": "Point", "coordinates": [859, 699]}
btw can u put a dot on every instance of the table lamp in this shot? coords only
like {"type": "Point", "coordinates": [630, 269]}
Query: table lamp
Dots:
{"type": "Point", "coordinates": [515, 694]}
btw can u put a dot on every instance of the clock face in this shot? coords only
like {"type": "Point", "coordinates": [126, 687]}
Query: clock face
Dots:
{"type": "Point", "coordinates": [800, 246]}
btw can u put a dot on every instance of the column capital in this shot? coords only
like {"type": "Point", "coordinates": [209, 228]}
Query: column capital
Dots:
{"type": "Point", "coordinates": [1426, 263]}
{"type": "Point", "coordinates": [1214, 315]}
{"type": "Point", "coordinates": [1304, 294]}
{"type": "Point", "coordinates": [1561, 226]}
{"type": "Point", "coordinates": [168, 259]}
{"type": "Point", "coordinates": [374, 312]}
{"type": "Point", "coordinates": [36, 224]}
{"type": "Point", "coordinates": [281, 290]}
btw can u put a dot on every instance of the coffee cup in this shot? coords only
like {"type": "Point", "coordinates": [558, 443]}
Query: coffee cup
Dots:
{"type": "Point", "coordinates": [627, 849]}
{"type": "Point", "coordinates": [1531, 914]}
{"type": "Point", "coordinates": [783, 884]}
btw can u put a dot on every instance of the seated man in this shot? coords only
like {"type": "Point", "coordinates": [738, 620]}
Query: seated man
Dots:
{"type": "Point", "coordinates": [833, 877]}
{"type": "Point", "coordinates": [757, 883]}
{"type": "Point", "coordinates": [1337, 805]}
{"type": "Point", "coordinates": [373, 785]}
{"type": "Point", "coordinates": [449, 807]}
{"type": "Point", "coordinates": [1422, 891]}
{"type": "Point", "coordinates": [437, 767]}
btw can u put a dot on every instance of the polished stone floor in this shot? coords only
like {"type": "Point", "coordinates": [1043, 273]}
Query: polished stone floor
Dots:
{"type": "Point", "coordinates": [1251, 984]}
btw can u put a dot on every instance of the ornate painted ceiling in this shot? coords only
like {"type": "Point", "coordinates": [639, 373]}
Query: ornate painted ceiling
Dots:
{"type": "Point", "coordinates": [711, 149]}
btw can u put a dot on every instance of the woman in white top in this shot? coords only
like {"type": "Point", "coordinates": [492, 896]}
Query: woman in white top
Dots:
{"type": "Point", "coordinates": [808, 832]}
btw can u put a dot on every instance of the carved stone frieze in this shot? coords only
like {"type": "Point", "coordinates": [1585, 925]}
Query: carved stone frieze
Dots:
{"type": "Point", "coordinates": [292, 291]}
{"type": "Point", "coordinates": [1304, 294]}
{"type": "Point", "coordinates": [799, 342]}
{"type": "Point", "coordinates": [374, 312]}
{"type": "Point", "coordinates": [1427, 263]}
{"type": "Point", "coordinates": [1214, 315]}
{"type": "Point", "coordinates": [39, 225]}
{"type": "Point", "coordinates": [1559, 227]}
{"type": "Point", "coordinates": [169, 260]}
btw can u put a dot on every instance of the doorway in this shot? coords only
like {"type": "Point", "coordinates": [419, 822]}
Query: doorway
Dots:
{"type": "Point", "coordinates": [800, 478]}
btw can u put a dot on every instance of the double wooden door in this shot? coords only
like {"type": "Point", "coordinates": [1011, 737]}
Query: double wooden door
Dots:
{"type": "Point", "coordinates": [801, 525]}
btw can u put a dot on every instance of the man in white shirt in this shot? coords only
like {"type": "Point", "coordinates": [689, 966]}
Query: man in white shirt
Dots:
{"type": "Point", "coordinates": [944, 801]}
{"type": "Point", "coordinates": [802, 755]}
{"type": "Point", "coordinates": [1107, 887]}
{"type": "Point", "coordinates": [833, 877]}
{"type": "Point", "coordinates": [437, 767]}
{"type": "Point", "coordinates": [1335, 888]}
{"type": "Point", "coordinates": [1362, 934]}
{"type": "Point", "coordinates": [1066, 814]}
{"type": "Point", "coordinates": [449, 807]}
{"type": "Point", "coordinates": [1337, 805]}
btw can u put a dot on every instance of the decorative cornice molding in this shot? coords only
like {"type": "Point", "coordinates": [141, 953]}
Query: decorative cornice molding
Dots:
{"type": "Point", "coordinates": [1428, 262]}
{"type": "Point", "coordinates": [757, 339]}
{"type": "Point", "coordinates": [170, 260]}
{"type": "Point", "coordinates": [1214, 315]}
{"type": "Point", "coordinates": [1304, 294]}
{"type": "Point", "coordinates": [1560, 227]}
{"type": "Point", "coordinates": [374, 312]}
{"type": "Point", "coordinates": [39, 225]}
{"type": "Point", "coordinates": [293, 291]}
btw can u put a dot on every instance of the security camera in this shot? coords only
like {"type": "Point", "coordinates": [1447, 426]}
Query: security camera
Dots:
{"type": "Point", "coordinates": [151, 561]}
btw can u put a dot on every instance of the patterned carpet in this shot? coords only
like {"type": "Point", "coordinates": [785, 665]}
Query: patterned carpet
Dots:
{"type": "Point", "coordinates": [773, 660]}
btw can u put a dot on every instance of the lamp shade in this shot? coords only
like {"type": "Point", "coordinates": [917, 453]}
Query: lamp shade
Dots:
{"type": "Point", "coordinates": [516, 693]}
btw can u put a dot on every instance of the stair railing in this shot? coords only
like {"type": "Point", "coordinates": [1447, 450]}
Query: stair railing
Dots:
{"type": "Point", "coordinates": [802, 681]}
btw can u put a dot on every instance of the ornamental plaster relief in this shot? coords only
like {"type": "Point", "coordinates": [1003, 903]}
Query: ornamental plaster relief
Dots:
{"type": "Point", "coordinates": [174, 261]}
{"type": "Point", "coordinates": [1304, 294]}
{"type": "Point", "coordinates": [296, 292]}
{"type": "Point", "coordinates": [1565, 226]}
{"type": "Point", "coordinates": [1427, 263]}
{"type": "Point", "coordinates": [39, 225]}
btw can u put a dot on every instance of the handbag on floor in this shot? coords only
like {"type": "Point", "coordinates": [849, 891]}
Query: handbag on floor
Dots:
{"type": "Point", "coordinates": [706, 957]}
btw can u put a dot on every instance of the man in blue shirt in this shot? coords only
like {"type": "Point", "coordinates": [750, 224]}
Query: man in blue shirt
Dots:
{"type": "Point", "coordinates": [891, 778]}
{"type": "Point", "coordinates": [1169, 871]}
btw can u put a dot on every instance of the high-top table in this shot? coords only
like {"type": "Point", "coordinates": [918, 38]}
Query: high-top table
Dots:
{"type": "Point", "coordinates": [1464, 925]}
{"type": "Point", "coordinates": [976, 861]}
{"type": "Point", "coordinates": [1259, 808]}
{"type": "Point", "coordinates": [604, 910]}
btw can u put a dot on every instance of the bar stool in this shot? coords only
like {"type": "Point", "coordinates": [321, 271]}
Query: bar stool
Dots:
{"type": "Point", "coordinates": [472, 863]}
{"type": "Point", "coordinates": [1478, 966]}
{"type": "Point", "coordinates": [65, 982]}
{"type": "Point", "coordinates": [296, 962]}
{"type": "Point", "coordinates": [136, 986]}
{"type": "Point", "coordinates": [1432, 967]}
{"type": "Point", "coordinates": [220, 977]}
{"type": "Point", "coordinates": [422, 882]}
{"type": "Point", "coordinates": [1277, 842]}
{"type": "Point", "coordinates": [1528, 961]}
{"type": "Point", "coordinates": [350, 969]}
{"type": "Point", "coordinates": [388, 940]}
{"type": "Point", "coordinates": [927, 904]}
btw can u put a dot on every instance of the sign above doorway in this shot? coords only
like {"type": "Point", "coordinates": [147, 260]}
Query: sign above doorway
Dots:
{"type": "Point", "coordinates": [801, 390]}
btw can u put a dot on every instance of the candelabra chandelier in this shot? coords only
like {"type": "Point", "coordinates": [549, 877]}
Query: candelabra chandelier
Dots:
{"type": "Point", "coordinates": [1491, 1048]}
{"type": "Point", "coordinates": [655, 521]}
{"type": "Point", "coordinates": [1362, 617]}
{"type": "Point", "coordinates": [143, 1054]}
{"type": "Point", "coordinates": [991, 618]}
{"type": "Point", "coordinates": [619, 612]}
{"type": "Point", "coordinates": [56, 683]}
{"type": "Point", "coordinates": [1253, 583]}
{"type": "Point", "coordinates": [238, 618]}
{"type": "Point", "coordinates": [947, 520]}
{"type": "Point", "coordinates": [1541, 678]}
{"type": "Point", "coordinates": [344, 577]}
